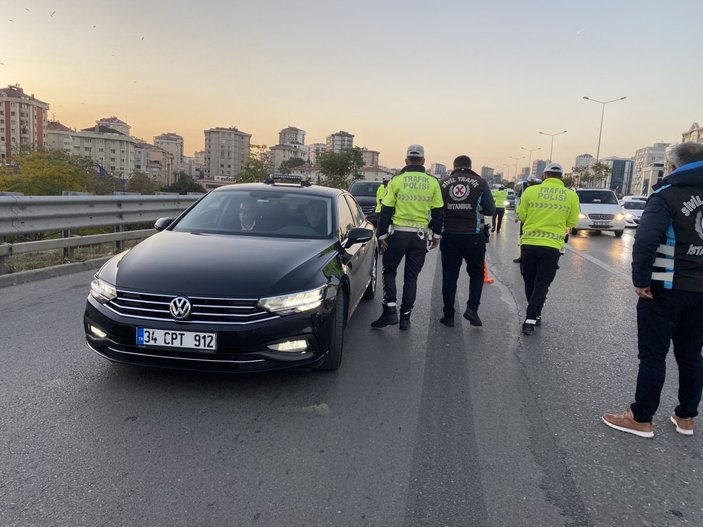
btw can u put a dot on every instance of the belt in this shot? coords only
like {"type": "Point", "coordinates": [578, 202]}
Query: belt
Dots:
{"type": "Point", "coordinates": [408, 229]}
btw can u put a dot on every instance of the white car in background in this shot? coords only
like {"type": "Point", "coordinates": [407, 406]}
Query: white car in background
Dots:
{"type": "Point", "coordinates": [600, 211]}
{"type": "Point", "coordinates": [633, 209]}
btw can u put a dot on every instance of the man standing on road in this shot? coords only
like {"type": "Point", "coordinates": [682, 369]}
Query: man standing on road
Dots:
{"type": "Point", "coordinates": [381, 191]}
{"type": "Point", "coordinates": [667, 272]}
{"type": "Point", "coordinates": [412, 197]}
{"type": "Point", "coordinates": [466, 197]}
{"type": "Point", "coordinates": [499, 197]}
{"type": "Point", "coordinates": [531, 180]}
{"type": "Point", "coordinates": [546, 211]}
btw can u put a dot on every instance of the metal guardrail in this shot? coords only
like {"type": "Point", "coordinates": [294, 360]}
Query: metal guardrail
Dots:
{"type": "Point", "coordinates": [36, 214]}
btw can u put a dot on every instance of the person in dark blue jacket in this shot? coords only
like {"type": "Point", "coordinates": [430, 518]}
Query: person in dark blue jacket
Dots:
{"type": "Point", "coordinates": [667, 272]}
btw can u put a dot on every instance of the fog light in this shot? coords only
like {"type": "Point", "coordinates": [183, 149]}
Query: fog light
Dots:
{"type": "Point", "coordinates": [97, 332]}
{"type": "Point", "coordinates": [289, 346]}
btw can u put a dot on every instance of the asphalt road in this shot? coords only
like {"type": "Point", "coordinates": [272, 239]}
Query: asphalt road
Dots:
{"type": "Point", "coordinates": [429, 427]}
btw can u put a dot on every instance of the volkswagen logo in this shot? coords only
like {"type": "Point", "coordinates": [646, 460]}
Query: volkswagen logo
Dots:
{"type": "Point", "coordinates": [180, 307]}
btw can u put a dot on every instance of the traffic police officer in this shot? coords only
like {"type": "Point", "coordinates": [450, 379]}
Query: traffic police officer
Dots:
{"type": "Point", "coordinates": [466, 199]}
{"type": "Point", "coordinates": [411, 199]}
{"type": "Point", "coordinates": [499, 197]}
{"type": "Point", "coordinates": [546, 211]}
{"type": "Point", "coordinates": [381, 191]}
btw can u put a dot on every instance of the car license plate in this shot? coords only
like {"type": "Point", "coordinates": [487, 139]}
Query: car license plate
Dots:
{"type": "Point", "coordinates": [601, 223]}
{"type": "Point", "coordinates": [177, 339]}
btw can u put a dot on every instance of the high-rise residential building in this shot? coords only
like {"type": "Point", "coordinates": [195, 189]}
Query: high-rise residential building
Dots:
{"type": "Point", "coordinates": [283, 153]}
{"type": "Point", "coordinates": [538, 166]}
{"type": "Point", "coordinates": [171, 143]}
{"type": "Point", "coordinates": [524, 173]}
{"type": "Point", "coordinates": [489, 174]}
{"type": "Point", "coordinates": [340, 141]}
{"type": "Point", "coordinates": [371, 157]}
{"type": "Point", "coordinates": [154, 161]}
{"type": "Point", "coordinates": [695, 134]}
{"type": "Point", "coordinates": [226, 151]}
{"type": "Point", "coordinates": [291, 136]}
{"type": "Point", "coordinates": [23, 122]}
{"type": "Point", "coordinates": [438, 169]}
{"type": "Point", "coordinates": [620, 176]}
{"type": "Point", "coordinates": [648, 168]}
{"type": "Point", "coordinates": [59, 137]}
{"type": "Point", "coordinates": [583, 160]}
{"type": "Point", "coordinates": [313, 150]}
{"type": "Point", "coordinates": [198, 163]}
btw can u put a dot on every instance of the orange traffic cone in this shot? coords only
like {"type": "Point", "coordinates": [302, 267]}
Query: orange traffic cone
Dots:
{"type": "Point", "coordinates": [486, 279]}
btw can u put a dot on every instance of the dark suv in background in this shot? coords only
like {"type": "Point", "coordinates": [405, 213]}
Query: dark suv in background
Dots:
{"type": "Point", "coordinates": [365, 194]}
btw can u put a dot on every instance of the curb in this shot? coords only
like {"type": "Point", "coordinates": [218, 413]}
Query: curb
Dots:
{"type": "Point", "coordinates": [34, 275]}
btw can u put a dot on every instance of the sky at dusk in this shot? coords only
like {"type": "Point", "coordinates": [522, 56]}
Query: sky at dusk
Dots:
{"type": "Point", "coordinates": [459, 77]}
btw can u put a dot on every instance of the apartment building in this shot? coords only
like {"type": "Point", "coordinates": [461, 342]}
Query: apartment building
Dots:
{"type": "Point", "coordinates": [695, 134]}
{"type": "Point", "coordinates": [172, 143]}
{"type": "Point", "coordinates": [291, 136]}
{"type": "Point", "coordinates": [59, 137]}
{"type": "Point", "coordinates": [438, 169]}
{"type": "Point", "coordinates": [583, 161]}
{"type": "Point", "coordinates": [371, 157]}
{"type": "Point", "coordinates": [226, 151]}
{"type": "Point", "coordinates": [620, 178]}
{"type": "Point", "coordinates": [23, 122]}
{"type": "Point", "coordinates": [314, 150]}
{"type": "Point", "coordinates": [648, 168]}
{"type": "Point", "coordinates": [156, 162]}
{"type": "Point", "coordinates": [113, 150]}
{"type": "Point", "coordinates": [340, 141]}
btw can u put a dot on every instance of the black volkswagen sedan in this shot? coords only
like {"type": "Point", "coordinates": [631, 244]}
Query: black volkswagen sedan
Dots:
{"type": "Point", "coordinates": [251, 277]}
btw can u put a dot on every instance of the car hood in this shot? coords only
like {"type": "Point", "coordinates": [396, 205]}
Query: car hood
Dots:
{"type": "Point", "coordinates": [220, 265]}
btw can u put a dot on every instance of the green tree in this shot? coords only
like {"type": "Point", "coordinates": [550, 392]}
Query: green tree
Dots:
{"type": "Point", "coordinates": [142, 183]}
{"type": "Point", "coordinates": [184, 185]}
{"type": "Point", "coordinates": [568, 181]}
{"type": "Point", "coordinates": [47, 173]}
{"type": "Point", "coordinates": [594, 175]}
{"type": "Point", "coordinates": [257, 167]}
{"type": "Point", "coordinates": [340, 168]}
{"type": "Point", "coordinates": [290, 164]}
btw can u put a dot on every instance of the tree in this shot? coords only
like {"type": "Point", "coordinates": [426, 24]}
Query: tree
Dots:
{"type": "Point", "coordinates": [184, 185]}
{"type": "Point", "coordinates": [568, 181]}
{"type": "Point", "coordinates": [340, 168]}
{"type": "Point", "coordinates": [47, 173]}
{"type": "Point", "coordinates": [290, 164]}
{"type": "Point", "coordinates": [257, 167]}
{"type": "Point", "coordinates": [142, 183]}
{"type": "Point", "coordinates": [594, 175]}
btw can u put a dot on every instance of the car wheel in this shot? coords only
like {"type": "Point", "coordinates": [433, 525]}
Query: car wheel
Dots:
{"type": "Point", "coordinates": [334, 356]}
{"type": "Point", "coordinates": [574, 231]}
{"type": "Point", "coordinates": [371, 289]}
{"type": "Point", "coordinates": [618, 234]}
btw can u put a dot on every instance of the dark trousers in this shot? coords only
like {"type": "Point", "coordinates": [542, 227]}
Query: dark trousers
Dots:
{"type": "Point", "coordinates": [538, 267]}
{"type": "Point", "coordinates": [498, 218]}
{"type": "Point", "coordinates": [414, 249]}
{"type": "Point", "coordinates": [672, 316]}
{"type": "Point", "coordinates": [458, 248]}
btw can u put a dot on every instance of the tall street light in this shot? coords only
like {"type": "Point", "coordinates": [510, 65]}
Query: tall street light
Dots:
{"type": "Point", "coordinates": [516, 160]}
{"type": "Point", "coordinates": [551, 148]}
{"type": "Point", "coordinates": [529, 162]}
{"type": "Point", "coordinates": [603, 103]}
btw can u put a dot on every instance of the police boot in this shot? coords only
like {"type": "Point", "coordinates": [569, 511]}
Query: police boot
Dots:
{"type": "Point", "coordinates": [405, 321]}
{"type": "Point", "coordinates": [389, 317]}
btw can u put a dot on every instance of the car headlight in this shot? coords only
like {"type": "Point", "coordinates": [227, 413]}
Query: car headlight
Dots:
{"type": "Point", "coordinates": [102, 291]}
{"type": "Point", "coordinates": [619, 217]}
{"type": "Point", "coordinates": [582, 216]}
{"type": "Point", "coordinates": [294, 303]}
{"type": "Point", "coordinates": [506, 203]}
{"type": "Point", "coordinates": [628, 216]}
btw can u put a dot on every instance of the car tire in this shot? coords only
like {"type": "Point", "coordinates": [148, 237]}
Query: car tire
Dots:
{"type": "Point", "coordinates": [371, 289]}
{"type": "Point", "coordinates": [334, 356]}
{"type": "Point", "coordinates": [618, 234]}
{"type": "Point", "coordinates": [574, 231]}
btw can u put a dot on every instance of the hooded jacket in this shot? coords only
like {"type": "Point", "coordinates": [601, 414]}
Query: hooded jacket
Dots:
{"type": "Point", "coordinates": [668, 248]}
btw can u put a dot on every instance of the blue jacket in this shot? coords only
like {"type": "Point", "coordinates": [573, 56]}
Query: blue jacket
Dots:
{"type": "Point", "coordinates": [668, 247]}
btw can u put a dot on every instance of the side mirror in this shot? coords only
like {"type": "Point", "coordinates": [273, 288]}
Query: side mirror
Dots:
{"type": "Point", "coordinates": [162, 223]}
{"type": "Point", "coordinates": [358, 235]}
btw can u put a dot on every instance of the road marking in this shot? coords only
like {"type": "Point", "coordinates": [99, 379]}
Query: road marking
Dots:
{"type": "Point", "coordinates": [600, 263]}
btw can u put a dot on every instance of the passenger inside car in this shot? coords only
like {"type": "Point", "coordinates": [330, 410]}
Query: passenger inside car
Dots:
{"type": "Point", "coordinates": [316, 216]}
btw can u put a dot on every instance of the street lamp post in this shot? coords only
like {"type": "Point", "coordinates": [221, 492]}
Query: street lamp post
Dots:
{"type": "Point", "coordinates": [529, 161]}
{"type": "Point", "coordinates": [516, 160]}
{"type": "Point", "coordinates": [551, 148]}
{"type": "Point", "coordinates": [602, 113]}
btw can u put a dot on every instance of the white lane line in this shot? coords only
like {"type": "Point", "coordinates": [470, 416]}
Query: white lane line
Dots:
{"type": "Point", "coordinates": [600, 263]}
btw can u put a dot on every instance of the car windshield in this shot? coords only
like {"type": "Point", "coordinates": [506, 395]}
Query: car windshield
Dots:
{"type": "Point", "coordinates": [634, 205]}
{"type": "Point", "coordinates": [278, 213]}
{"type": "Point", "coordinates": [598, 196]}
{"type": "Point", "coordinates": [364, 188]}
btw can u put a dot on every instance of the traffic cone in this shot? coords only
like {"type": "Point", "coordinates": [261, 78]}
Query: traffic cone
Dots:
{"type": "Point", "coordinates": [486, 279]}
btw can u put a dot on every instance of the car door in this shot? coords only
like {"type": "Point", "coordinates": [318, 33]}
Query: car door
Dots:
{"type": "Point", "coordinates": [353, 258]}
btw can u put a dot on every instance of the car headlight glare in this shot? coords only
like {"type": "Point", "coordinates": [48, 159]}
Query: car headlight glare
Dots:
{"type": "Point", "coordinates": [628, 216]}
{"type": "Point", "coordinates": [506, 203]}
{"type": "Point", "coordinates": [294, 303]}
{"type": "Point", "coordinates": [102, 291]}
{"type": "Point", "coordinates": [619, 217]}
{"type": "Point", "coordinates": [290, 346]}
{"type": "Point", "coordinates": [582, 216]}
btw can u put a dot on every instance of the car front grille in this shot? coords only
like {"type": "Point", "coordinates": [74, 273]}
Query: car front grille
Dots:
{"type": "Point", "coordinates": [601, 216]}
{"type": "Point", "coordinates": [368, 209]}
{"type": "Point", "coordinates": [204, 310]}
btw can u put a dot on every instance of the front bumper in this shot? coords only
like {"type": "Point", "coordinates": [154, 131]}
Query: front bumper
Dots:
{"type": "Point", "coordinates": [589, 224]}
{"type": "Point", "coordinates": [239, 348]}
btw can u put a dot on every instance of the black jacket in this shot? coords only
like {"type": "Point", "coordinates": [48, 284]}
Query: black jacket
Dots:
{"type": "Point", "coordinates": [466, 197]}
